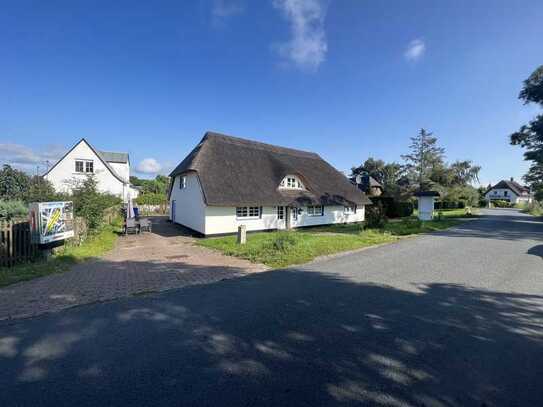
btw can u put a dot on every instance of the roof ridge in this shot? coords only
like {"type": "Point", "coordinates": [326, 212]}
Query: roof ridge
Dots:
{"type": "Point", "coordinates": [210, 135]}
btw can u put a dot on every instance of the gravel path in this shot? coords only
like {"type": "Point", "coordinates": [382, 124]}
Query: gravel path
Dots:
{"type": "Point", "coordinates": [450, 319]}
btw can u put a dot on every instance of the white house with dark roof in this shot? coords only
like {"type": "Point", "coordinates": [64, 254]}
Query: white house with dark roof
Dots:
{"type": "Point", "coordinates": [111, 170]}
{"type": "Point", "coordinates": [226, 182]}
{"type": "Point", "coordinates": [509, 191]}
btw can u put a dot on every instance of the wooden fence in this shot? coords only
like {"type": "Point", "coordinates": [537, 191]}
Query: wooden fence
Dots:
{"type": "Point", "coordinates": [15, 243]}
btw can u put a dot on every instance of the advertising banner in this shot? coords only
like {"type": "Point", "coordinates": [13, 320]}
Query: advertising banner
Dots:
{"type": "Point", "coordinates": [51, 221]}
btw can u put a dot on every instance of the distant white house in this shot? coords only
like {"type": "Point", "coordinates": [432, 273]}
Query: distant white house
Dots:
{"type": "Point", "coordinates": [509, 191]}
{"type": "Point", "coordinates": [111, 171]}
{"type": "Point", "coordinates": [226, 182]}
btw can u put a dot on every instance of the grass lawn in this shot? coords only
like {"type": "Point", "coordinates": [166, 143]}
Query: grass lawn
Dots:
{"type": "Point", "coordinates": [280, 249]}
{"type": "Point", "coordinates": [95, 246]}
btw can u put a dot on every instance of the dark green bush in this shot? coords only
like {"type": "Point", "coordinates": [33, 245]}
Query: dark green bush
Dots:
{"type": "Point", "coordinates": [375, 216]}
{"type": "Point", "coordinates": [392, 207]}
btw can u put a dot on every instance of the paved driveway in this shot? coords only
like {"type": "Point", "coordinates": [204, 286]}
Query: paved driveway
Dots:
{"type": "Point", "coordinates": [158, 261]}
{"type": "Point", "coordinates": [452, 319]}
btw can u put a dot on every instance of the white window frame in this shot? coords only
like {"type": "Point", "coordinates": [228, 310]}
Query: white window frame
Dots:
{"type": "Point", "coordinates": [85, 164]}
{"type": "Point", "coordinates": [281, 212]}
{"type": "Point", "coordinates": [315, 210]}
{"type": "Point", "coordinates": [349, 210]}
{"type": "Point", "coordinates": [82, 162]}
{"type": "Point", "coordinates": [248, 212]}
{"type": "Point", "coordinates": [182, 182]}
{"type": "Point", "coordinates": [291, 182]}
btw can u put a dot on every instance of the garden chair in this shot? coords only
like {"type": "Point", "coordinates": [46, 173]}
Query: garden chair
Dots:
{"type": "Point", "coordinates": [131, 226]}
{"type": "Point", "coordinates": [145, 225]}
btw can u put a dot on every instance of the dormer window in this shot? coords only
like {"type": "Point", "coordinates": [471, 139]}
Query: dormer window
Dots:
{"type": "Point", "coordinates": [291, 182]}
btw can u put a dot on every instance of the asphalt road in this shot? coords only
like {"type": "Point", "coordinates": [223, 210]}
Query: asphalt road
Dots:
{"type": "Point", "coordinates": [450, 319]}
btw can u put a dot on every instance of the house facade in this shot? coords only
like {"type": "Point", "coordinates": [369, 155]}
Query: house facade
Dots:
{"type": "Point", "coordinates": [111, 171]}
{"type": "Point", "coordinates": [509, 191]}
{"type": "Point", "coordinates": [367, 184]}
{"type": "Point", "coordinates": [226, 182]}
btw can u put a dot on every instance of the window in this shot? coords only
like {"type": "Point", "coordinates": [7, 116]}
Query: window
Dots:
{"type": "Point", "coordinates": [495, 192]}
{"type": "Point", "coordinates": [182, 182]}
{"type": "Point", "coordinates": [79, 166]}
{"type": "Point", "coordinates": [504, 193]}
{"type": "Point", "coordinates": [315, 210]}
{"type": "Point", "coordinates": [349, 210]}
{"type": "Point", "coordinates": [89, 166]}
{"type": "Point", "coordinates": [291, 182]}
{"type": "Point", "coordinates": [280, 212]}
{"type": "Point", "coordinates": [248, 212]}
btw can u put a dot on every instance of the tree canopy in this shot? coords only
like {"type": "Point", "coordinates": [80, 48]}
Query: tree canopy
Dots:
{"type": "Point", "coordinates": [159, 185]}
{"type": "Point", "coordinates": [530, 136]}
{"type": "Point", "coordinates": [424, 157]}
{"type": "Point", "coordinates": [424, 167]}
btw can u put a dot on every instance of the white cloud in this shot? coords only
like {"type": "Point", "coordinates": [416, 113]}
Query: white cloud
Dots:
{"type": "Point", "coordinates": [27, 159]}
{"type": "Point", "coordinates": [224, 9]}
{"type": "Point", "coordinates": [415, 50]}
{"type": "Point", "coordinates": [307, 48]}
{"type": "Point", "coordinates": [148, 166]}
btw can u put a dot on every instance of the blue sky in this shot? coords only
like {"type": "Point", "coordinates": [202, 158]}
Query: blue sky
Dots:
{"type": "Point", "coordinates": [347, 79]}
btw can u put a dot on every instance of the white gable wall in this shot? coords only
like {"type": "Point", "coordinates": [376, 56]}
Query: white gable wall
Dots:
{"type": "Point", "coordinates": [189, 203]}
{"type": "Point", "coordinates": [122, 170]}
{"type": "Point", "coordinates": [63, 175]}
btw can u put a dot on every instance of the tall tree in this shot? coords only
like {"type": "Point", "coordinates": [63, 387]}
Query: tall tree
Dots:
{"type": "Point", "coordinates": [425, 155]}
{"type": "Point", "coordinates": [530, 136]}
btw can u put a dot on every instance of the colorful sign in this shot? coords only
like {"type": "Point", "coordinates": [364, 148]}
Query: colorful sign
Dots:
{"type": "Point", "coordinates": [51, 221]}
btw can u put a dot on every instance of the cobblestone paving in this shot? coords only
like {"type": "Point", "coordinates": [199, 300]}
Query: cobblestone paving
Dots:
{"type": "Point", "coordinates": [158, 261]}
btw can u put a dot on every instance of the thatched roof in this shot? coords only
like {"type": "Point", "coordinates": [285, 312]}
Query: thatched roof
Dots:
{"type": "Point", "coordinates": [235, 172]}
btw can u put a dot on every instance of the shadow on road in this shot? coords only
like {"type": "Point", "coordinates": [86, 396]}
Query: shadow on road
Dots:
{"type": "Point", "coordinates": [282, 338]}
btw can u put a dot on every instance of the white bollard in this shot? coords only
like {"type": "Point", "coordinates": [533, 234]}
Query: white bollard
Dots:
{"type": "Point", "coordinates": [242, 234]}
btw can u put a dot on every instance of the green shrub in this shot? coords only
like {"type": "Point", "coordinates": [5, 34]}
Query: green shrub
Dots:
{"type": "Point", "coordinates": [499, 203]}
{"type": "Point", "coordinates": [375, 217]}
{"type": "Point", "coordinates": [91, 204]}
{"type": "Point", "coordinates": [151, 199]}
{"type": "Point", "coordinates": [12, 209]}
